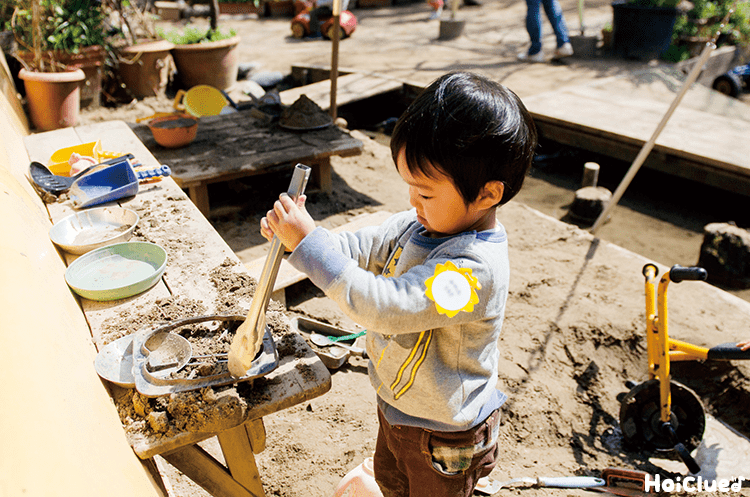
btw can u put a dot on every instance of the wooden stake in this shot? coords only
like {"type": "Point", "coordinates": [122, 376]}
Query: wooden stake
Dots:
{"type": "Point", "coordinates": [590, 174]}
{"type": "Point", "coordinates": [335, 55]}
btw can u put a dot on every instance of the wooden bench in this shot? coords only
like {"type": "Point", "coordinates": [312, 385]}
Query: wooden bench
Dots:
{"type": "Point", "coordinates": [288, 275]}
{"type": "Point", "coordinates": [60, 425]}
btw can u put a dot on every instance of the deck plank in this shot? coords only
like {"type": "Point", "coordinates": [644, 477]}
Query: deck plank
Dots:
{"type": "Point", "coordinates": [349, 88]}
{"type": "Point", "coordinates": [704, 140]}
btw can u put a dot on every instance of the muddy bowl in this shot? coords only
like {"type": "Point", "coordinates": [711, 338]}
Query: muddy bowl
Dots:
{"type": "Point", "coordinates": [174, 131]}
{"type": "Point", "coordinates": [85, 231]}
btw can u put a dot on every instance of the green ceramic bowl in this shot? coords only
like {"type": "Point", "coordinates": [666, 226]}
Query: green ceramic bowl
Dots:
{"type": "Point", "coordinates": [117, 271]}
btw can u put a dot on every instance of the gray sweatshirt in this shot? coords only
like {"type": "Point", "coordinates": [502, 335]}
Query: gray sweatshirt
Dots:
{"type": "Point", "coordinates": [431, 365]}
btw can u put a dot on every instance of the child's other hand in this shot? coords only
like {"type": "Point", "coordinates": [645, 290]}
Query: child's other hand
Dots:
{"type": "Point", "coordinates": [287, 220]}
{"type": "Point", "coordinates": [744, 345]}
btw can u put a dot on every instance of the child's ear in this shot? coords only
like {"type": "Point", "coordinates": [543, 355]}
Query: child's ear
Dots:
{"type": "Point", "coordinates": [491, 194]}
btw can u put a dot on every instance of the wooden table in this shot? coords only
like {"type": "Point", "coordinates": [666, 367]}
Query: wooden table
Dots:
{"type": "Point", "coordinates": [237, 145]}
{"type": "Point", "coordinates": [194, 250]}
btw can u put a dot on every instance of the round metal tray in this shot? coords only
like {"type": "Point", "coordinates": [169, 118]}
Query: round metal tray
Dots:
{"type": "Point", "coordinates": [87, 230]}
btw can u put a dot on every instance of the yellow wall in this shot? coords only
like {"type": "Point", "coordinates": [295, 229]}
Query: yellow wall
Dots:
{"type": "Point", "coordinates": [59, 430]}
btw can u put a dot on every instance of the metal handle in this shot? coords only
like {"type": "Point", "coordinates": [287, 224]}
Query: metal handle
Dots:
{"type": "Point", "coordinates": [257, 312]}
{"type": "Point", "coordinates": [571, 481]}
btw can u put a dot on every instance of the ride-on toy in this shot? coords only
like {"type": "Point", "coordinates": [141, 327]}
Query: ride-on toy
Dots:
{"type": "Point", "coordinates": [734, 81]}
{"type": "Point", "coordinates": [301, 22]}
{"type": "Point", "coordinates": [660, 414]}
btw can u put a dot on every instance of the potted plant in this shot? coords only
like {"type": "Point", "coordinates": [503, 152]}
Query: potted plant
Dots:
{"type": "Point", "coordinates": [69, 34]}
{"type": "Point", "coordinates": [143, 61]}
{"type": "Point", "coordinates": [52, 89]}
{"type": "Point", "coordinates": [205, 56]}
{"type": "Point", "coordinates": [707, 18]}
{"type": "Point", "coordinates": [642, 29]}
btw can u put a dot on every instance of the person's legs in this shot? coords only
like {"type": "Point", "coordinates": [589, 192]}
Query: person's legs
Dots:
{"type": "Point", "coordinates": [391, 479]}
{"type": "Point", "coordinates": [534, 25]}
{"type": "Point", "coordinates": [413, 462]}
{"type": "Point", "coordinates": [554, 13]}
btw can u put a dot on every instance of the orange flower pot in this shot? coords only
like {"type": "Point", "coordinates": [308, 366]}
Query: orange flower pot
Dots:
{"type": "Point", "coordinates": [54, 98]}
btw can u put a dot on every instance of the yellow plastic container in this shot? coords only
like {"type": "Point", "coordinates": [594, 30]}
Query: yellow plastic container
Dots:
{"type": "Point", "coordinates": [201, 100]}
{"type": "Point", "coordinates": [58, 163]}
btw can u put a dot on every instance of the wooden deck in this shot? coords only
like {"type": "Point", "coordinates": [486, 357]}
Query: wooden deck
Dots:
{"type": "Point", "coordinates": [349, 88]}
{"type": "Point", "coordinates": [707, 138]}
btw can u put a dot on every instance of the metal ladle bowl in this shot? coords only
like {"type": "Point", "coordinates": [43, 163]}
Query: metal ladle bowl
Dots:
{"type": "Point", "coordinates": [167, 353]}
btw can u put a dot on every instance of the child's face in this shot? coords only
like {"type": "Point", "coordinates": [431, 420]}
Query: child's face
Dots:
{"type": "Point", "coordinates": [440, 207]}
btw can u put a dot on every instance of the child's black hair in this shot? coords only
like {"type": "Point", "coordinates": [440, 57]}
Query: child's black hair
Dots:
{"type": "Point", "coordinates": [471, 129]}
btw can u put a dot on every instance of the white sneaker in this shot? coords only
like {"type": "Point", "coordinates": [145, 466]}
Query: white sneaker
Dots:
{"type": "Point", "coordinates": [564, 51]}
{"type": "Point", "coordinates": [525, 57]}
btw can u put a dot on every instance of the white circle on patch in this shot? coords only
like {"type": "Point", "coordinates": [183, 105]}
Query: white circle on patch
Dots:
{"type": "Point", "coordinates": [451, 290]}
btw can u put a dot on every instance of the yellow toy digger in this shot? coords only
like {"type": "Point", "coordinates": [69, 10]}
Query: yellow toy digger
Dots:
{"type": "Point", "coordinates": [660, 414]}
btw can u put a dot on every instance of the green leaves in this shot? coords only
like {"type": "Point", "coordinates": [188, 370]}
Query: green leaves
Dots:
{"type": "Point", "coordinates": [67, 25]}
{"type": "Point", "coordinates": [192, 34]}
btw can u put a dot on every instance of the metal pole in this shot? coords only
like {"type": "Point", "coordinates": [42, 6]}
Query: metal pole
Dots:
{"type": "Point", "coordinates": [335, 55]}
{"type": "Point", "coordinates": [580, 16]}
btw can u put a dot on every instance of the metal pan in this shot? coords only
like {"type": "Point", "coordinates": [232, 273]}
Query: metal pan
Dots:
{"type": "Point", "coordinates": [87, 230]}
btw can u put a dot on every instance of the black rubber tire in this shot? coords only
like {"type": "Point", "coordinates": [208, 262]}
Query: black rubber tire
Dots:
{"type": "Point", "coordinates": [728, 84]}
{"type": "Point", "coordinates": [640, 419]}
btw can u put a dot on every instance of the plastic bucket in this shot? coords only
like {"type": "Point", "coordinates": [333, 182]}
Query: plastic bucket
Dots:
{"type": "Point", "coordinates": [58, 162]}
{"type": "Point", "coordinates": [639, 32]}
{"type": "Point", "coordinates": [359, 482]}
{"type": "Point", "coordinates": [201, 100]}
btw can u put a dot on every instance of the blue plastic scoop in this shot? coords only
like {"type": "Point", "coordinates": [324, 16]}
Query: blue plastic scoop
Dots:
{"type": "Point", "coordinates": [114, 182]}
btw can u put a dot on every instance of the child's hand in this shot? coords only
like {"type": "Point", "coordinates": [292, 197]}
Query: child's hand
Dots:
{"type": "Point", "coordinates": [744, 345]}
{"type": "Point", "coordinates": [287, 220]}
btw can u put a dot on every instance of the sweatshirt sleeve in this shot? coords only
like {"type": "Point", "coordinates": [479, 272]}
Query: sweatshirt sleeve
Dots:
{"type": "Point", "coordinates": [388, 305]}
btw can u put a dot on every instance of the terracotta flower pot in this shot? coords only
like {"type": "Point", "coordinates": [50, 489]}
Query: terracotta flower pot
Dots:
{"type": "Point", "coordinates": [54, 98]}
{"type": "Point", "coordinates": [214, 63]}
{"type": "Point", "coordinates": [144, 68]}
{"type": "Point", "coordinates": [89, 59]}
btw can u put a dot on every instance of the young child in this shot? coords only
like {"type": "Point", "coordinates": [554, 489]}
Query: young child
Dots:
{"type": "Point", "coordinates": [430, 284]}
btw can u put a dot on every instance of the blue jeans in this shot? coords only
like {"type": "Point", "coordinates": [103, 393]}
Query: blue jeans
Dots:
{"type": "Point", "coordinates": [534, 23]}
